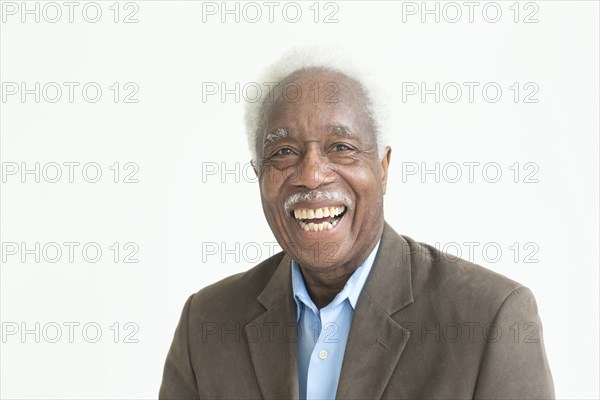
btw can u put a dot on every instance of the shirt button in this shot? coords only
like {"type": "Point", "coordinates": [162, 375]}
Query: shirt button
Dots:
{"type": "Point", "coordinates": [323, 354]}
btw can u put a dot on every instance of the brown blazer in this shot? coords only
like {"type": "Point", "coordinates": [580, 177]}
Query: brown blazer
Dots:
{"type": "Point", "coordinates": [426, 326]}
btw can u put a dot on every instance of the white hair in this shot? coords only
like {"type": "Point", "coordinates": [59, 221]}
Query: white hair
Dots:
{"type": "Point", "coordinates": [331, 59]}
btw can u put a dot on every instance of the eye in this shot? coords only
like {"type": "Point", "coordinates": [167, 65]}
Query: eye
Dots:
{"type": "Point", "coordinates": [341, 147]}
{"type": "Point", "coordinates": [284, 151]}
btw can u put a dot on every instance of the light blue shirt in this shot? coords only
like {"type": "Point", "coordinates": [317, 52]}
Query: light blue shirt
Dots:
{"type": "Point", "coordinates": [322, 334]}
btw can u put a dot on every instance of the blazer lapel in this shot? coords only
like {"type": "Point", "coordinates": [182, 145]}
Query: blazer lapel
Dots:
{"type": "Point", "coordinates": [375, 340]}
{"type": "Point", "coordinates": [272, 337]}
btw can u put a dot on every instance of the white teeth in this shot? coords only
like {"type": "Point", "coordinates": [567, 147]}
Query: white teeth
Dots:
{"type": "Point", "coordinates": [303, 215]}
{"type": "Point", "coordinates": [312, 227]}
{"type": "Point", "coordinates": [324, 212]}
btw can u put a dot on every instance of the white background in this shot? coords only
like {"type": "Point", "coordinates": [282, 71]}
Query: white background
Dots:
{"type": "Point", "coordinates": [176, 209]}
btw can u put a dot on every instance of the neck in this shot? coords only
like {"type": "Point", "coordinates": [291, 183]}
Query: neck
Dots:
{"type": "Point", "coordinates": [323, 286]}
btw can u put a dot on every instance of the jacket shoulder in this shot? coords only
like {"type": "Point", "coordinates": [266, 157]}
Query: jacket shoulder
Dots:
{"type": "Point", "coordinates": [450, 281]}
{"type": "Point", "coordinates": [234, 296]}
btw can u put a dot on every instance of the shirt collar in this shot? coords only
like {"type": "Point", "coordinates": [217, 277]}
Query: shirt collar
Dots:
{"type": "Point", "coordinates": [351, 290]}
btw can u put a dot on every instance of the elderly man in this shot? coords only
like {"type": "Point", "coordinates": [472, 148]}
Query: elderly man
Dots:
{"type": "Point", "coordinates": [350, 309]}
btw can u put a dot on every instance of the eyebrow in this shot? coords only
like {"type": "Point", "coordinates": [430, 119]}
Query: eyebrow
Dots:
{"type": "Point", "coordinates": [341, 130]}
{"type": "Point", "coordinates": [275, 135]}
{"type": "Point", "coordinates": [333, 129]}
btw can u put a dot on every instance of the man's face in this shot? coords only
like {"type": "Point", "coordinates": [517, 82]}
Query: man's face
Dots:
{"type": "Point", "coordinates": [321, 181]}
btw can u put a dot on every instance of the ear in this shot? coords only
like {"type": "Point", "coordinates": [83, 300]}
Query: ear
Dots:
{"type": "Point", "coordinates": [385, 162]}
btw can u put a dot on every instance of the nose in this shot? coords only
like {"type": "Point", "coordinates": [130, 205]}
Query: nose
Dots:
{"type": "Point", "coordinates": [314, 170]}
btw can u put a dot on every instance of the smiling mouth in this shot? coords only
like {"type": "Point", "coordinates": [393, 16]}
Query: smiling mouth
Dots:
{"type": "Point", "coordinates": [319, 219]}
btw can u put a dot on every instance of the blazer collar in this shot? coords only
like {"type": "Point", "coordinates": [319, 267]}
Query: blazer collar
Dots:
{"type": "Point", "coordinates": [389, 284]}
{"type": "Point", "coordinates": [271, 337]}
{"type": "Point", "coordinates": [375, 341]}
